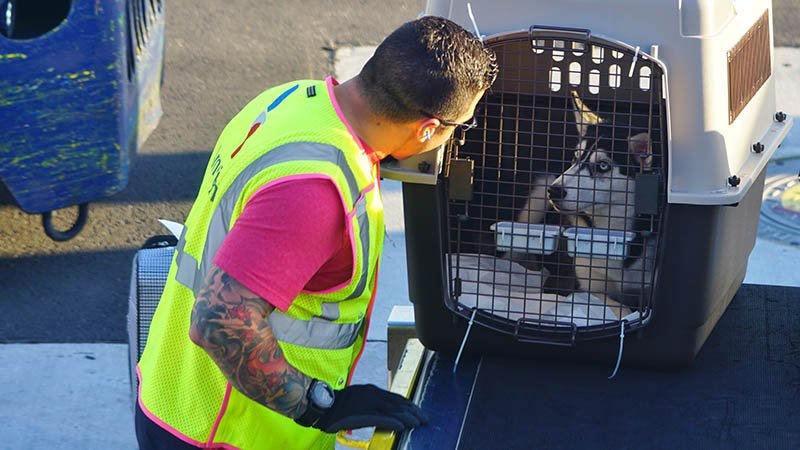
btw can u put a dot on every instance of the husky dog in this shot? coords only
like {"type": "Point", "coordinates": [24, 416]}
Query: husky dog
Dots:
{"type": "Point", "coordinates": [598, 191]}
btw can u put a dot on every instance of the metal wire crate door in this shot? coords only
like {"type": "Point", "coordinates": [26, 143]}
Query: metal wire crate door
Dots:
{"type": "Point", "coordinates": [556, 199]}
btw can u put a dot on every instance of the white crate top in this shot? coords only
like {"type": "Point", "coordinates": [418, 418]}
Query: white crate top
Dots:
{"type": "Point", "coordinates": [692, 40]}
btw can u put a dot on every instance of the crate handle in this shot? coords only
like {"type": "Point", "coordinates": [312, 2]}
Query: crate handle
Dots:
{"type": "Point", "coordinates": [573, 332]}
{"type": "Point", "coordinates": [584, 32]}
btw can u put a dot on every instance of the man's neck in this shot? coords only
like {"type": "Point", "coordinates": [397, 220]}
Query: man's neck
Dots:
{"type": "Point", "coordinates": [376, 132]}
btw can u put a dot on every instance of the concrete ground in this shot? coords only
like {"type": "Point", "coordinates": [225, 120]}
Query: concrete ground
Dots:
{"type": "Point", "coordinates": [76, 395]}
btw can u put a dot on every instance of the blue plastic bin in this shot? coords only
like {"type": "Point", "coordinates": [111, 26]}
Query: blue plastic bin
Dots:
{"type": "Point", "coordinates": [79, 93]}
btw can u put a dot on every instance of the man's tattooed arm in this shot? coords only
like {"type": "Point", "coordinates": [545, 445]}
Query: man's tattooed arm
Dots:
{"type": "Point", "coordinates": [229, 322]}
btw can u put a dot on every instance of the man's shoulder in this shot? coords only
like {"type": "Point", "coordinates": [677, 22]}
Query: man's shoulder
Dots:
{"type": "Point", "coordinates": [315, 192]}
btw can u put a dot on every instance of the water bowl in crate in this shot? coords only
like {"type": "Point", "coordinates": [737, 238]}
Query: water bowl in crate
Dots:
{"type": "Point", "coordinates": [583, 242]}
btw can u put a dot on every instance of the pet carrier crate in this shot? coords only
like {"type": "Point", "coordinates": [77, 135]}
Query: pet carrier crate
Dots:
{"type": "Point", "coordinates": [149, 273]}
{"type": "Point", "coordinates": [613, 183]}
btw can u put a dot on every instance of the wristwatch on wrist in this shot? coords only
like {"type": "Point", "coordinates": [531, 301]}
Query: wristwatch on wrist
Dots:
{"type": "Point", "coordinates": [320, 396]}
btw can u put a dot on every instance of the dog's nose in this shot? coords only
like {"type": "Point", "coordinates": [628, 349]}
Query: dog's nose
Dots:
{"type": "Point", "coordinates": [555, 192]}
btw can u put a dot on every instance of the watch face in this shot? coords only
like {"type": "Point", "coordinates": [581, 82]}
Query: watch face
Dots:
{"type": "Point", "coordinates": [322, 395]}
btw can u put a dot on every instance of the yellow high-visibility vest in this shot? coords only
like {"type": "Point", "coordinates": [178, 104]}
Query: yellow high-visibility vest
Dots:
{"type": "Point", "coordinates": [291, 131]}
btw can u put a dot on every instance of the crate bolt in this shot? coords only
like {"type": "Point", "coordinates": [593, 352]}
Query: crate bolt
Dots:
{"type": "Point", "coordinates": [734, 181]}
{"type": "Point", "coordinates": [424, 167]}
{"type": "Point", "coordinates": [780, 116]}
{"type": "Point", "coordinates": [758, 147]}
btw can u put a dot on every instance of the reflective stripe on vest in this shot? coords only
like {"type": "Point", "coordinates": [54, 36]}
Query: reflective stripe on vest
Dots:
{"type": "Point", "coordinates": [319, 332]}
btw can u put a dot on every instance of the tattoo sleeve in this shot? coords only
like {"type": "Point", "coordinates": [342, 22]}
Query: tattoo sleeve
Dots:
{"type": "Point", "coordinates": [229, 322]}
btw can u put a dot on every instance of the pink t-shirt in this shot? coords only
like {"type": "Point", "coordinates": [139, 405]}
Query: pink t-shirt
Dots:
{"type": "Point", "coordinates": [290, 237]}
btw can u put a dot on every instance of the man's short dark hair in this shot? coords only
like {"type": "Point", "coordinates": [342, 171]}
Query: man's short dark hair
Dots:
{"type": "Point", "coordinates": [429, 65]}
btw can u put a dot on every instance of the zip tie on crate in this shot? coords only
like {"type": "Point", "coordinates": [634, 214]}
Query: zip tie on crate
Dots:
{"type": "Point", "coordinates": [464, 341]}
{"type": "Point", "coordinates": [621, 346]}
{"type": "Point", "coordinates": [633, 63]}
{"type": "Point", "coordinates": [474, 23]}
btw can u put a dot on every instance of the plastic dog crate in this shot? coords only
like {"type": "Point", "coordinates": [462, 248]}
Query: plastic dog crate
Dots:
{"type": "Point", "coordinates": [149, 271]}
{"type": "Point", "coordinates": [613, 183]}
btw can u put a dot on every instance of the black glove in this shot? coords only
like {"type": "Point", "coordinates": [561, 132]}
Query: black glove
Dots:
{"type": "Point", "coordinates": [366, 405]}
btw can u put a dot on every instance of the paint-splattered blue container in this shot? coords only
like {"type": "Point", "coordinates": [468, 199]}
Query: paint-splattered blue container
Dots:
{"type": "Point", "coordinates": [79, 94]}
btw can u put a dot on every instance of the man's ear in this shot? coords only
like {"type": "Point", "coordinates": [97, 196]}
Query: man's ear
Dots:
{"type": "Point", "coordinates": [426, 129]}
{"type": "Point", "coordinates": [639, 148]}
{"type": "Point", "coordinates": [584, 117]}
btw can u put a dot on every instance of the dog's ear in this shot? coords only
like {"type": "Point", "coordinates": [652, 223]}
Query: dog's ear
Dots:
{"type": "Point", "coordinates": [639, 147]}
{"type": "Point", "coordinates": [584, 117]}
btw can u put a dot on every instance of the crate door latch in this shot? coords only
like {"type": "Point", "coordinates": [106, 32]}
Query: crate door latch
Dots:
{"type": "Point", "coordinates": [460, 179]}
{"type": "Point", "coordinates": [647, 193]}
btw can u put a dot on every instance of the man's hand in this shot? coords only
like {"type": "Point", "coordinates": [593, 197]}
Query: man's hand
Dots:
{"type": "Point", "coordinates": [366, 405]}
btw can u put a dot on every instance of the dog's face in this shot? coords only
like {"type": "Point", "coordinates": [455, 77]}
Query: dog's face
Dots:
{"type": "Point", "coordinates": [603, 169]}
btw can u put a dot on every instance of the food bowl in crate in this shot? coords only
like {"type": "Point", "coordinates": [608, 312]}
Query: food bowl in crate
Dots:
{"type": "Point", "coordinates": [540, 239]}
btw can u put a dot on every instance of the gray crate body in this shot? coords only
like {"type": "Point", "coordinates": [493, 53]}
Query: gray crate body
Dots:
{"type": "Point", "coordinates": [704, 249]}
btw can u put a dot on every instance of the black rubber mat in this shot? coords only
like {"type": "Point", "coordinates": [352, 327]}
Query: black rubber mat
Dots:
{"type": "Point", "coordinates": [743, 392]}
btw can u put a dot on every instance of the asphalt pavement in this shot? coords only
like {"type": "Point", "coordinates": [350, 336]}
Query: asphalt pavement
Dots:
{"type": "Point", "coordinates": [63, 363]}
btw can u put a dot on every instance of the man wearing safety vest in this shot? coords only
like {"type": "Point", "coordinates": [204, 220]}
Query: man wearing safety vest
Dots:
{"type": "Point", "coordinates": [268, 298]}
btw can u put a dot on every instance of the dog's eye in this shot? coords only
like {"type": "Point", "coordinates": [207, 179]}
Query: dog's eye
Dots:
{"type": "Point", "coordinates": [603, 166]}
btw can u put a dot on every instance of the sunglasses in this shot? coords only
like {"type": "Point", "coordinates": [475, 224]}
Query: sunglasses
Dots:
{"type": "Point", "coordinates": [466, 126]}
